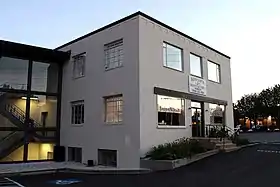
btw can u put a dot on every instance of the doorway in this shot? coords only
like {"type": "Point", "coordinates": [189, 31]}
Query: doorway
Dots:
{"type": "Point", "coordinates": [198, 126]}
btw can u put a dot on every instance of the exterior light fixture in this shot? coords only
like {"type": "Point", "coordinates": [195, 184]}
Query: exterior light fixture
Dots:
{"type": "Point", "coordinates": [31, 98]}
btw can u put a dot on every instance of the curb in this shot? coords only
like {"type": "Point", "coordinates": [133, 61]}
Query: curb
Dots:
{"type": "Point", "coordinates": [249, 145]}
{"type": "Point", "coordinates": [71, 170]}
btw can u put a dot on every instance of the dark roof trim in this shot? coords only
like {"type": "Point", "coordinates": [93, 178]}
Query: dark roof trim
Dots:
{"type": "Point", "coordinates": [28, 52]}
{"type": "Point", "coordinates": [147, 17]}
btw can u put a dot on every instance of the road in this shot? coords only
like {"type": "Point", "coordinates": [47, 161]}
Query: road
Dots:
{"type": "Point", "coordinates": [264, 137]}
{"type": "Point", "coordinates": [256, 166]}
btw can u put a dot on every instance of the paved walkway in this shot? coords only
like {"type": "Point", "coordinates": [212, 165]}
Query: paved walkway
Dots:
{"type": "Point", "coordinates": [49, 166]}
{"type": "Point", "coordinates": [244, 168]}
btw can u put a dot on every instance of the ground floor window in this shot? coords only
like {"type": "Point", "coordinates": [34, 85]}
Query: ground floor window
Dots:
{"type": "Point", "coordinates": [216, 113]}
{"type": "Point", "coordinates": [75, 154]}
{"type": "Point", "coordinates": [171, 111]}
{"type": "Point", "coordinates": [107, 157]}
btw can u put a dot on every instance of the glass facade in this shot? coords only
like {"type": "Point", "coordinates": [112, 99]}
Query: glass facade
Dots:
{"type": "Point", "coordinates": [28, 109]}
{"type": "Point", "coordinates": [44, 77]}
{"type": "Point", "coordinates": [13, 73]}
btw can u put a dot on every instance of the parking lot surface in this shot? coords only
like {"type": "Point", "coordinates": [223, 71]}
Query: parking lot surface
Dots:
{"type": "Point", "coordinates": [256, 166]}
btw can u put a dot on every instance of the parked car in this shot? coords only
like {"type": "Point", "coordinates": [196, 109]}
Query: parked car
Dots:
{"type": "Point", "coordinates": [276, 130]}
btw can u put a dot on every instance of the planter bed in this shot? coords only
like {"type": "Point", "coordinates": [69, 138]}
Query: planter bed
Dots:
{"type": "Point", "coordinates": [159, 165]}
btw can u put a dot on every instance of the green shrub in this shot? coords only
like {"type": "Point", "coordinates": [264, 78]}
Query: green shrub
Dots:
{"type": "Point", "coordinates": [180, 148]}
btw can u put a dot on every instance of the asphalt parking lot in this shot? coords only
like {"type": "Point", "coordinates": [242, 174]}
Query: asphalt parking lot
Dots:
{"type": "Point", "coordinates": [264, 137]}
{"type": "Point", "coordinates": [256, 166]}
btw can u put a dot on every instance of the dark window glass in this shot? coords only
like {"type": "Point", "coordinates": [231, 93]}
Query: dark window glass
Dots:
{"type": "Point", "coordinates": [44, 77]}
{"type": "Point", "coordinates": [13, 73]}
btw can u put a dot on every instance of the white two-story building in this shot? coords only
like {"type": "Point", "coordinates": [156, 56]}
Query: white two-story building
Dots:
{"type": "Point", "coordinates": [111, 95]}
{"type": "Point", "coordinates": [137, 83]}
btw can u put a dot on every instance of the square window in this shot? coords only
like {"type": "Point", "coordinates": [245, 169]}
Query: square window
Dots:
{"type": "Point", "coordinates": [172, 57]}
{"type": "Point", "coordinates": [171, 111]}
{"type": "Point", "coordinates": [113, 54]}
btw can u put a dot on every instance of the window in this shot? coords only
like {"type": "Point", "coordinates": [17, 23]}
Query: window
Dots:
{"type": "Point", "coordinates": [77, 112]}
{"type": "Point", "coordinates": [75, 154]}
{"type": "Point", "coordinates": [216, 113]}
{"type": "Point", "coordinates": [172, 57]}
{"type": "Point", "coordinates": [171, 111]}
{"type": "Point", "coordinates": [44, 77]}
{"type": "Point", "coordinates": [214, 72]}
{"type": "Point", "coordinates": [79, 65]}
{"type": "Point", "coordinates": [195, 65]}
{"type": "Point", "coordinates": [113, 54]}
{"type": "Point", "coordinates": [113, 109]}
{"type": "Point", "coordinates": [13, 73]}
{"type": "Point", "coordinates": [107, 157]}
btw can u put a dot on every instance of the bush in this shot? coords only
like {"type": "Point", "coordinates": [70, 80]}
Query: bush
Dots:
{"type": "Point", "coordinates": [178, 149]}
{"type": "Point", "coordinates": [241, 141]}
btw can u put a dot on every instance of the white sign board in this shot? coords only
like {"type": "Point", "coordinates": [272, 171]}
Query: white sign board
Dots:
{"type": "Point", "coordinates": [197, 85]}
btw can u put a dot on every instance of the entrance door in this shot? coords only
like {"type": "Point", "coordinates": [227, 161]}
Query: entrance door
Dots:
{"type": "Point", "coordinates": [198, 127]}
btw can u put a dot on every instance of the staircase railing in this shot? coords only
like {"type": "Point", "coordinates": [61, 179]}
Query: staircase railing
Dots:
{"type": "Point", "coordinates": [20, 114]}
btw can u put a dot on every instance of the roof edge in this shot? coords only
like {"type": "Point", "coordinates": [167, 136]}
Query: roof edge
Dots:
{"type": "Point", "coordinates": [147, 17]}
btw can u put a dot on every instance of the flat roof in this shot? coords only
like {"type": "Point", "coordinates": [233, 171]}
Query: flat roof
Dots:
{"type": "Point", "coordinates": [139, 13]}
{"type": "Point", "coordinates": [28, 52]}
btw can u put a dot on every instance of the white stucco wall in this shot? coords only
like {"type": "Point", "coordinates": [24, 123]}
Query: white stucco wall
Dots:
{"type": "Point", "coordinates": [154, 74]}
{"type": "Point", "coordinates": [94, 134]}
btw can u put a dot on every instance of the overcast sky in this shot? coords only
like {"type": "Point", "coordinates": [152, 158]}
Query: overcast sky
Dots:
{"type": "Point", "coordinates": [246, 30]}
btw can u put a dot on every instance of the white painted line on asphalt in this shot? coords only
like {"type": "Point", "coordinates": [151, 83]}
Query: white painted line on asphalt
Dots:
{"type": "Point", "coordinates": [20, 185]}
{"type": "Point", "coordinates": [268, 151]}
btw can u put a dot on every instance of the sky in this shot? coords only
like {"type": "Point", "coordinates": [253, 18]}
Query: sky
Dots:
{"type": "Point", "coordinates": [246, 30]}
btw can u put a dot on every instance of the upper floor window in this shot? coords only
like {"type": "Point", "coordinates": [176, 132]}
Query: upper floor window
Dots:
{"type": "Point", "coordinates": [79, 65]}
{"type": "Point", "coordinates": [214, 72]}
{"type": "Point", "coordinates": [172, 57]}
{"type": "Point", "coordinates": [114, 109]}
{"type": "Point", "coordinates": [195, 65]}
{"type": "Point", "coordinates": [77, 114]}
{"type": "Point", "coordinates": [113, 54]}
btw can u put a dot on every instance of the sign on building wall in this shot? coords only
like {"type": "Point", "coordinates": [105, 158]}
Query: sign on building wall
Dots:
{"type": "Point", "coordinates": [197, 85]}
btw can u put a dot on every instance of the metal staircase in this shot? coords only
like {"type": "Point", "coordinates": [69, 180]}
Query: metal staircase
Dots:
{"type": "Point", "coordinates": [10, 143]}
{"type": "Point", "coordinates": [16, 116]}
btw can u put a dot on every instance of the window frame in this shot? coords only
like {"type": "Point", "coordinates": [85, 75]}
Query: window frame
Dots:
{"type": "Point", "coordinates": [106, 49]}
{"type": "Point", "coordinates": [73, 113]}
{"type": "Point", "coordinates": [164, 59]}
{"type": "Point", "coordinates": [219, 71]}
{"type": "Point", "coordinates": [201, 65]}
{"type": "Point", "coordinates": [159, 126]}
{"type": "Point", "coordinates": [74, 58]}
{"type": "Point", "coordinates": [105, 98]}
